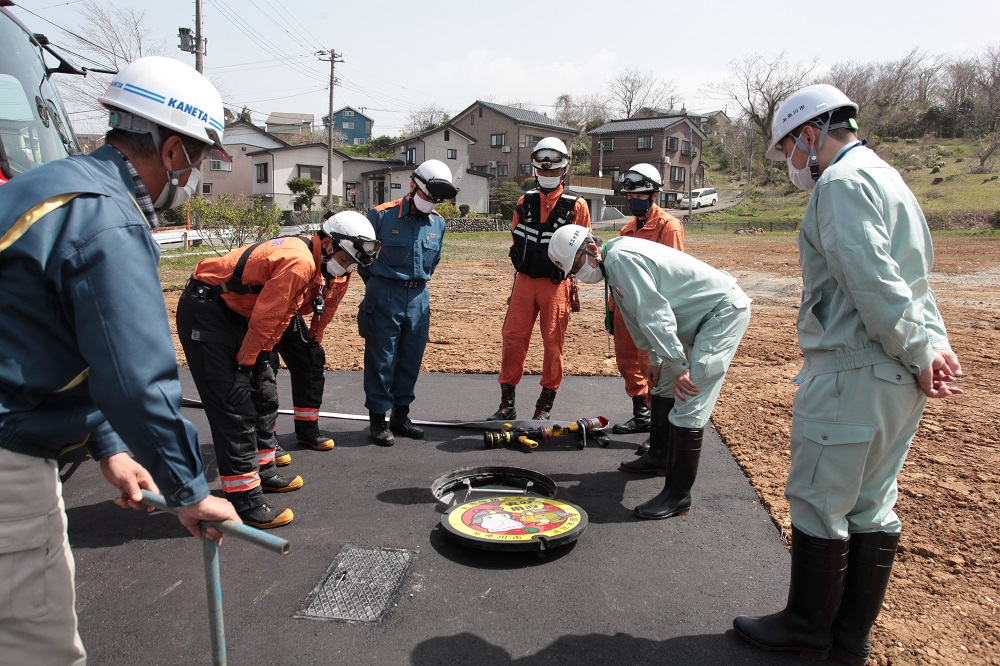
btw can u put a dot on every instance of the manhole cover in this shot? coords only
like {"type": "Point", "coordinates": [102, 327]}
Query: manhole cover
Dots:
{"type": "Point", "coordinates": [359, 586]}
{"type": "Point", "coordinates": [469, 483]}
{"type": "Point", "coordinates": [515, 523]}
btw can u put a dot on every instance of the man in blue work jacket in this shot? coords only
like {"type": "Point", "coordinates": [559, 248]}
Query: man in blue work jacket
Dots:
{"type": "Point", "coordinates": [875, 348]}
{"type": "Point", "coordinates": [86, 348]}
{"type": "Point", "coordinates": [394, 317]}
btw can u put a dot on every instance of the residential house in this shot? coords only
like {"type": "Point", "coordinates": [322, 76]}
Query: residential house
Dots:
{"type": "Point", "coordinates": [281, 123]}
{"type": "Point", "coordinates": [450, 145]}
{"type": "Point", "coordinates": [241, 140]}
{"type": "Point", "coordinates": [505, 136]}
{"type": "Point", "coordinates": [354, 126]}
{"type": "Point", "coordinates": [274, 167]}
{"type": "Point", "coordinates": [670, 143]}
{"type": "Point", "coordinates": [365, 192]}
{"type": "Point", "coordinates": [713, 123]}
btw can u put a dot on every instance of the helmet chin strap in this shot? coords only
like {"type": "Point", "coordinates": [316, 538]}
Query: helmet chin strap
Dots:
{"type": "Point", "coordinates": [812, 152]}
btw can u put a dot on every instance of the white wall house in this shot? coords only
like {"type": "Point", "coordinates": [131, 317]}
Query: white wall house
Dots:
{"type": "Point", "coordinates": [274, 167]}
{"type": "Point", "coordinates": [451, 146]}
{"type": "Point", "coordinates": [241, 139]}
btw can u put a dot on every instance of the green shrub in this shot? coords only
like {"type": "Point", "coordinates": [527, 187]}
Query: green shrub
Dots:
{"type": "Point", "coordinates": [463, 210]}
{"type": "Point", "coordinates": [446, 210]}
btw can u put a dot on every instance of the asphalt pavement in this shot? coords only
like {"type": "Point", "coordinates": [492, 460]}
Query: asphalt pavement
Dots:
{"type": "Point", "coordinates": [626, 592]}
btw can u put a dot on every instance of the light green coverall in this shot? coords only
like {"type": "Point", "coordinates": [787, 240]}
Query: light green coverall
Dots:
{"type": "Point", "coordinates": [685, 314]}
{"type": "Point", "coordinates": [868, 324]}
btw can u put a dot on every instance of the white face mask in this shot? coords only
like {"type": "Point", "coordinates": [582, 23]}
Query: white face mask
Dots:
{"type": "Point", "coordinates": [801, 178]}
{"type": "Point", "coordinates": [589, 274]}
{"type": "Point", "coordinates": [549, 182]}
{"type": "Point", "coordinates": [335, 269]}
{"type": "Point", "coordinates": [423, 205]}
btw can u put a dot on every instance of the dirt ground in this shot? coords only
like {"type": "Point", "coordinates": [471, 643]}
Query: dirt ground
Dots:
{"type": "Point", "coordinates": [942, 603]}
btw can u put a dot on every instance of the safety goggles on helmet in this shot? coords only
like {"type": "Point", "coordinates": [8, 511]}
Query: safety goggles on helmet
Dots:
{"type": "Point", "coordinates": [365, 249]}
{"type": "Point", "coordinates": [436, 189]}
{"type": "Point", "coordinates": [633, 181]}
{"type": "Point", "coordinates": [546, 159]}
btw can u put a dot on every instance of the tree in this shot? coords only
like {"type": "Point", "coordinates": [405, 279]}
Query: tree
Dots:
{"type": "Point", "coordinates": [758, 84]}
{"type": "Point", "coordinates": [231, 220]}
{"type": "Point", "coordinates": [109, 37]}
{"type": "Point", "coordinates": [306, 189]}
{"type": "Point", "coordinates": [507, 194]}
{"type": "Point", "coordinates": [988, 82]}
{"type": "Point", "coordinates": [582, 113]}
{"type": "Point", "coordinates": [631, 90]}
{"type": "Point", "coordinates": [957, 93]}
{"type": "Point", "coordinates": [425, 118]}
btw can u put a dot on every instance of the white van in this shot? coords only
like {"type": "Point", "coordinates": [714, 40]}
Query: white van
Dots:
{"type": "Point", "coordinates": [704, 196]}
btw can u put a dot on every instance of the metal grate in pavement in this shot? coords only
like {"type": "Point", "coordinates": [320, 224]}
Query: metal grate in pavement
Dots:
{"type": "Point", "coordinates": [360, 585]}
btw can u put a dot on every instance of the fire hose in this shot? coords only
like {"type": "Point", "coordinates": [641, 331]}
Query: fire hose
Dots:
{"type": "Point", "coordinates": [530, 437]}
{"type": "Point", "coordinates": [213, 582]}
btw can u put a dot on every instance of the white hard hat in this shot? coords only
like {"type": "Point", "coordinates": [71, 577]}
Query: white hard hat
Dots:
{"type": "Point", "coordinates": [433, 177]}
{"type": "Point", "coordinates": [641, 179]}
{"type": "Point", "coordinates": [801, 107]}
{"type": "Point", "coordinates": [355, 235]}
{"type": "Point", "coordinates": [565, 243]}
{"type": "Point", "coordinates": [549, 153]}
{"type": "Point", "coordinates": [167, 93]}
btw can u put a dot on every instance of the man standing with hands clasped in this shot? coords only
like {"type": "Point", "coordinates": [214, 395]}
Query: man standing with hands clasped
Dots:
{"type": "Point", "coordinates": [875, 349]}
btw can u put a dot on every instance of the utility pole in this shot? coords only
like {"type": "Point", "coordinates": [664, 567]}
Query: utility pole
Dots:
{"type": "Point", "coordinates": [333, 58]}
{"type": "Point", "coordinates": [194, 44]}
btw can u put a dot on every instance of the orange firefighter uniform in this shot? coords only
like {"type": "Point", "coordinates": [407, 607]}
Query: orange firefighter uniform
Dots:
{"type": "Point", "coordinates": [232, 313]}
{"type": "Point", "coordinates": [534, 295]}
{"type": "Point", "coordinates": [659, 227]}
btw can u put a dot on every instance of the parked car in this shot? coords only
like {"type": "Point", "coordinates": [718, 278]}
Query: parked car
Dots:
{"type": "Point", "coordinates": [704, 196]}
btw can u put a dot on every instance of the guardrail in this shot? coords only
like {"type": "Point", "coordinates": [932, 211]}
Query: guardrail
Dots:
{"type": "Point", "coordinates": [185, 237]}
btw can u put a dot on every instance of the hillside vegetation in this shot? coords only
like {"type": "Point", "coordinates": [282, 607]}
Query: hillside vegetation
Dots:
{"type": "Point", "coordinates": [943, 174]}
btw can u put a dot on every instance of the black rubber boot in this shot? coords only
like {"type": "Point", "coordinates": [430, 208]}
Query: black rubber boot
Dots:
{"type": "Point", "coordinates": [643, 448]}
{"type": "Point", "coordinates": [869, 566]}
{"type": "Point", "coordinates": [254, 511]}
{"type": "Point", "coordinates": [544, 405]}
{"type": "Point", "coordinates": [281, 456]}
{"type": "Point", "coordinates": [506, 411]}
{"type": "Point", "coordinates": [819, 567]}
{"type": "Point", "coordinates": [378, 429]}
{"type": "Point", "coordinates": [400, 424]}
{"type": "Point", "coordinates": [273, 482]}
{"type": "Point", "coordinates": [654, 459]}
{"type": "Point", "coordinates": [639, 421]}
{"type": "Point", "coordinates": [682, 468]}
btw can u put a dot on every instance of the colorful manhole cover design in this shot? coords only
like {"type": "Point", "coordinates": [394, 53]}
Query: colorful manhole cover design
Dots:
{"type": "Point", "coordinates": [515, 523]}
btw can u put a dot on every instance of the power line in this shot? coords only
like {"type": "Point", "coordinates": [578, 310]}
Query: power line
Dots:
{"type": "Point", "coordinates": [281, 27]}
{"type": "Point", "coordinates": [260, 40]}
{"type": "Point", "coordinates": [70, 32]}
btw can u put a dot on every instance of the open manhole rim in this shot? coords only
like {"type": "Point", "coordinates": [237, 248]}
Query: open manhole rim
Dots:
{"type": "Point", "coordinates": [479, 476]}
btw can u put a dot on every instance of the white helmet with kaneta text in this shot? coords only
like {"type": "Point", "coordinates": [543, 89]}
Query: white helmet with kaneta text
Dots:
{"type": "Point", "coordinates": [156, 91]}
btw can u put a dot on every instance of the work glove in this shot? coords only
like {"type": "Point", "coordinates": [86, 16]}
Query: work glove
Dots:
{"type": "Point", "coordinates": [240, 392]}
{"type": "Point", "coordinates": [263, 370]}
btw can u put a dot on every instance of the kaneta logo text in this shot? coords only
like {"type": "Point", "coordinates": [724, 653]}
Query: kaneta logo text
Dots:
{"type": "Point", "coordinates": [189, 109]}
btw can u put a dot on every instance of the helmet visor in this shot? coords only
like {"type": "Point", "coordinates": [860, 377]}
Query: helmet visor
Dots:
{"type": "Point", "coordinates": [633, 181]}
{"type": "Point", "coordinates": [364, 249]}
{"type": "Point", "coordinates": [547, 158]}
{"type": "Point", "coordinates": [438, 189]}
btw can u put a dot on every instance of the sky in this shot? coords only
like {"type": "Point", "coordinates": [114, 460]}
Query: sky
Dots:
{"type": "Point", "coordinates": [399, 57]}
